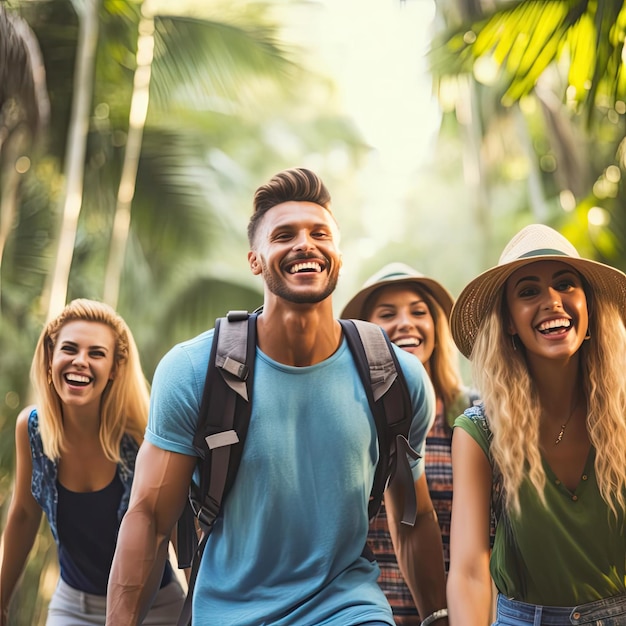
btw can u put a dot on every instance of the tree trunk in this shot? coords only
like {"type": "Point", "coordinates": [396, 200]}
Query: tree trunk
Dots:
{"type": "Point", "coordinates": [56, 292]}
{"type": "Point", "coordinates": [126, 191]}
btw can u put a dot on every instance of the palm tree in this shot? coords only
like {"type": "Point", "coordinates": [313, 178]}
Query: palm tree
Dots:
{"type": "Point", "coordinates": [185, 48]}
{"type": "Point", "coordinates": [525, 38]}
{"type": "Point", "coordinates": [202, 154]}
{"type": "Point", "coordinates": [562, 59]}
{"type": "Point", "coordinates": [56, 292]}
{"type": "Point", "coordinates": [24, 111]}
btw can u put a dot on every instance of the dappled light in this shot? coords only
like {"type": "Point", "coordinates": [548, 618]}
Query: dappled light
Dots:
{"type": "Point", "coordinates": [133, 134]}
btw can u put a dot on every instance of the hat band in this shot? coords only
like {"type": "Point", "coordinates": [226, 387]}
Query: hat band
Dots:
{"type": "Point", "coordinates": [395, 275]}
{"type": "Point", "coordinates": [543, 252]}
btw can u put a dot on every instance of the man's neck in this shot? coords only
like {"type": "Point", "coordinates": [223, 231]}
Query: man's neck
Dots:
{"type": "Point", "coordinates": [298, 334]}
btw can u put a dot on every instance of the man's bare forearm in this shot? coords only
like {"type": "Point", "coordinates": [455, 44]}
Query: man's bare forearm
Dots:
{"type": "Point", "coordinates": [136, 571]}
{"type": "Point", "coordinates": [420, 556]}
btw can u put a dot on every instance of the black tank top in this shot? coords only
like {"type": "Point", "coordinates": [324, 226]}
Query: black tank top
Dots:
{"type": "Point", "coordinates": [87, 526]}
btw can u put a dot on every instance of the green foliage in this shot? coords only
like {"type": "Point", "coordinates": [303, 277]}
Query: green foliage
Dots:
{"type": "Point", "coordinates": [524, 38]}
{"type": "Point", "coordinates": [229, 106]}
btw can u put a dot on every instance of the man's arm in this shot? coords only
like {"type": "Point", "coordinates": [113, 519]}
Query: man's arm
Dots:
{"type": "Point", "coordinates": [160, 488]}
{"type": "Point", "coordinates": [418, 549]}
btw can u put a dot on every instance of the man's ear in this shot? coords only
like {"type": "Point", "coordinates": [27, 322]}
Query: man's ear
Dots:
{"type": "Point", "coordinates": [253, 260]}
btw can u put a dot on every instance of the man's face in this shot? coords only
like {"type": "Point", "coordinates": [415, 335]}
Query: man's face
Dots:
{"type": "Point", "coordinates": [295, 250]}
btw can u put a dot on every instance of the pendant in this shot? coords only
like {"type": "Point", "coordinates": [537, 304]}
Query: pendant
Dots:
{"type": "Point", "coordinates": [560, 436]}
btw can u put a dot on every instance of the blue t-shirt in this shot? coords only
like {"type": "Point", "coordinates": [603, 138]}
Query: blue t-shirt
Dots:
{"type": "Point", "coordinates": [287, 547]}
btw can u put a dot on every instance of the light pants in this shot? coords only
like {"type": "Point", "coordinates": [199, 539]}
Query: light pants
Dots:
{"type": "Point", "coordinates": [70, 607]}
{"type": "Point", "coordinates": [607, 612]}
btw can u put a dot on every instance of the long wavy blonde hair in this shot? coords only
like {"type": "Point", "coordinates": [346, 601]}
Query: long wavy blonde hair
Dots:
{"type": "Point", "coordinates": [125, 400]}
{"type": "Point", "coordinates": [512, 404]}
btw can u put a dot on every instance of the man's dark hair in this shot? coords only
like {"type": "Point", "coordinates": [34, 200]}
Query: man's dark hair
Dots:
{"type": "Point", "coordinates": [297, 184]}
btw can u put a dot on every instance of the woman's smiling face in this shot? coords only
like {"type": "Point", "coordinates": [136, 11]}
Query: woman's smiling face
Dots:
{"type": "Point", "coordinates": [403, 313]}
{"type": "Point", "coordinates": [548, 309]}
{"type": "Point", "coordinates": [83, 362]}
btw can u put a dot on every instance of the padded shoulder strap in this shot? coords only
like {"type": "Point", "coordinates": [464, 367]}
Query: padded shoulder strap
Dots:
{"type": "Point", "coordinates": [390, 404]}
{"type": "Point", "coordinates": [222, 426]}
{"type": "Point", "coordinates": [382, 368]}
{"type": "Point", "coordinates": [231, 353]}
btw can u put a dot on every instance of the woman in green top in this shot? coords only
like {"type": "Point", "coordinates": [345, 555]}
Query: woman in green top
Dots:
{"type": "Point", "coordinates": [546, 452]}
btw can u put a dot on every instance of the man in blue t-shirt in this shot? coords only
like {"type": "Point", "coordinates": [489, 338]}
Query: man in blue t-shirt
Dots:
{"type": "Point", "coordinates": [287, 546]}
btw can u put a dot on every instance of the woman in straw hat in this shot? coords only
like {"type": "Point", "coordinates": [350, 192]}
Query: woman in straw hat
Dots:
{"type": "Point", "coordinates": [544, 330]}
{"type": "Point", "coordinates": [413, 309]}
{"type": "Point", "coordinates": [75, 461]}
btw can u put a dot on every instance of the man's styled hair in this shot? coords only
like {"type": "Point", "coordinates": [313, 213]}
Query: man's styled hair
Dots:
{"type": "Point", "coordinates": [296, 184]}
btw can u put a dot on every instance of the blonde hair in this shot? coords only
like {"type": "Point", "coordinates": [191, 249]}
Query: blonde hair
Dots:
{"type": "Point", "coordinates": [513, 409]}
{"type": "Point", "coordinates": [444, 360]}
{"type": "Point", "coordinates": [125, 400]}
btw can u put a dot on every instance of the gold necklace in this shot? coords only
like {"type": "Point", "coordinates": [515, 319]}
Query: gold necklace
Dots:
{"type": "Point", "coordinates": [564, 425]}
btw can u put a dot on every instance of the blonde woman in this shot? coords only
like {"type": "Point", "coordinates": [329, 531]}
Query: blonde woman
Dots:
{"type": "Point", "coordinates": [413, 310]}
{"type": "Point", "coordinates": [544, 330]}
{"type": "Point", "coordinates": [75, 459]}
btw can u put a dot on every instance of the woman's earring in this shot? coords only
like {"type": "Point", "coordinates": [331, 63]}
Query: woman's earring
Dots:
{"type": "Point", "coordinates": [588, 335]}
{"type": "Point", "coordinates": [513, 342]}
{"type": "Point", "coordinates": [49, 376]}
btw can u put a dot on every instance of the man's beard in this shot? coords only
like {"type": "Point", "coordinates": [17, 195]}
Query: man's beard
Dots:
{"type": "Point", "coordinates": [279, 288]}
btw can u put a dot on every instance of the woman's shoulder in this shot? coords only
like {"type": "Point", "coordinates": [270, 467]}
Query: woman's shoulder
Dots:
{"type": "Point", "coordinates": [475, 421]}
{"type": "Point", "coordinates": [27, 413]}
{"type": "Point", "coordinates": [27, 423]}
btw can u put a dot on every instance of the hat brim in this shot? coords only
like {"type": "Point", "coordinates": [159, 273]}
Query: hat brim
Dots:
{"type": "Point", "coordinates": [355, 307]}
{"type": "Point", "coordinates": [478, 297]}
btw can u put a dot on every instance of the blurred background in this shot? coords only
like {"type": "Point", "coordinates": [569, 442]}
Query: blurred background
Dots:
{"type": "Point", "coordinates": [133, 135]}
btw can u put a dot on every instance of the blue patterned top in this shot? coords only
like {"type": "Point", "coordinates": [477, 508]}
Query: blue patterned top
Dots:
{"type": "Point", "coordinates": [45, 471]}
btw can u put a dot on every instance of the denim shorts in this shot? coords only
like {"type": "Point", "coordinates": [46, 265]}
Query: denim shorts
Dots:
{"type": "Point", "coordinates": [70, 607]}
{"type": "Point", "coordinates": [607, 612]}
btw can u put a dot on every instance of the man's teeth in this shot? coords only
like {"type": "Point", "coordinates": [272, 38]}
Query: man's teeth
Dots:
{"type": "Point", "coordinates": [408, 342]}
{"type": "Point", "coordinates": [310, 266]}
{"type": "Point", "coordinates": [77, 378]}
{"type": "Point", "coordinates": [552, 324]}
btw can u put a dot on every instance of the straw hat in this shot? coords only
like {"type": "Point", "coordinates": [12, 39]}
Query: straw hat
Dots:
{"type": "Point", "coordinates": [397, 274]}
{"type": "Point", "coordinates": [536, 242]}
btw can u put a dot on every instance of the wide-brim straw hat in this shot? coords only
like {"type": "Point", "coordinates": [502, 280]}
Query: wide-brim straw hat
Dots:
{"type": "Point", "coordinates": [397, 274]}
{"type": "Point", "coordinates": [536, 242]}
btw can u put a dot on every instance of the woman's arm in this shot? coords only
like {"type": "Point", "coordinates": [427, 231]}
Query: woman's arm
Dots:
{"type": "Point", "coordinates": [22, 521]}
{"type": "Point", "coordinates": [469, 580]}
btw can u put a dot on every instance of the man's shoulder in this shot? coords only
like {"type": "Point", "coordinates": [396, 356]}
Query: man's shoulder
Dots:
{"type": "Point", "coordinates": [411, 366]}
{"type": "Point", "coordinates": [185, 362]}
{"type": "Point", "coordinates": [190, 348]}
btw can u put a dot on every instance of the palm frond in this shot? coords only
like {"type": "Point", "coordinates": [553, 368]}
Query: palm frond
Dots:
{"type": "Point", "coordinates": [213, 62]}
{"type": "Point", "coordinates": [525, 37]}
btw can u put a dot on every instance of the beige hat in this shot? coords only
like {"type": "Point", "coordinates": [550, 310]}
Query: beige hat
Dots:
{"type": "Point", "coordinates": [536, 242]}
{"type": "Point", "coordinates": [397, 274]}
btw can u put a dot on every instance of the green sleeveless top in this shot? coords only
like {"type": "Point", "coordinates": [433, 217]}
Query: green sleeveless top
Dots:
{"type": "Point", "coordinates": [569, 552]}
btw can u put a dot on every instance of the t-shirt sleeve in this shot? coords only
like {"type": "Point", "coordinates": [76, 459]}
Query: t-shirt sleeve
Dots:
{"type": "Point", "coordinates": [423, 402]}
{"type": "Point", "coordinates": [176, 395]}
{"type": "Point", "coordinates": [474, 424]}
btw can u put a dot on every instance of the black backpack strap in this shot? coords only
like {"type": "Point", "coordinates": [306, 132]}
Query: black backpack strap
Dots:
{"type": "Point", "coordinates": [389, 399]}
{"type": "Point", "coordinates": [218, 431]}
{"type": "Point", "coordinates": [222, 426]}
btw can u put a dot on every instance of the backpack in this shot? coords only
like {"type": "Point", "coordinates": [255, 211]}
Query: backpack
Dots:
{"type": "Point", "coordinates": [225, 414]}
